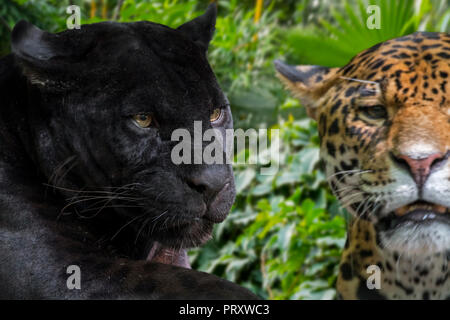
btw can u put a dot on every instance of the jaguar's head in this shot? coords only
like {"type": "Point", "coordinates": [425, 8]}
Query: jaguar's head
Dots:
{"type": "Point", "coordinates": [106, 100]}
{"type": "Point", "coordinates": [384, 124]}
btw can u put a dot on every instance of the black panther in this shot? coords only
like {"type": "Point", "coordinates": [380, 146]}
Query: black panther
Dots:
{"type": "Point", "coordinates": [86, 176]}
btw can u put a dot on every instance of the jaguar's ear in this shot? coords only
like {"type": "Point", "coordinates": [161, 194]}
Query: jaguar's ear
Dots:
{"type": "Point", "coordinates": [307, 83]}
{"type": "Point", "coordinates": [201, 29]}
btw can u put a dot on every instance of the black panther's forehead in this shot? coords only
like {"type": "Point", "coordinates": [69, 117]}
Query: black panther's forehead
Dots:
{"type": "Point", "coordinates": [130, 68]}
{"type": "Point", "coordinates": [120, 55]}
{"type": "Point", "coordinates": [150, 49]}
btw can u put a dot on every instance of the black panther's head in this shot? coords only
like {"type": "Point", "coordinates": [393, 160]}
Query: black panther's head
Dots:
{"type": "Point", "coordinates": [105, 101]}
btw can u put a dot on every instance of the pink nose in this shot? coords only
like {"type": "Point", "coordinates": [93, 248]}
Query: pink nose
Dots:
{"type": "Point", "coordinates": [420, 168]}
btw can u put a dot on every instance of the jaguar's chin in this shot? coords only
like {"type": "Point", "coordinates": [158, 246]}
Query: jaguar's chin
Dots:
{"type": "Point", "coordinates": [419, 227]}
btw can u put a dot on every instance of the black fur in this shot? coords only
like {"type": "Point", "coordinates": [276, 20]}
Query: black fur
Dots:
{"type": "Point", "coordinates": [67, 137]}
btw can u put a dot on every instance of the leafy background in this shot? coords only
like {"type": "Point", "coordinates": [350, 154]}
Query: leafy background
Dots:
{"type": "Point", "coordinates": [285, 234]}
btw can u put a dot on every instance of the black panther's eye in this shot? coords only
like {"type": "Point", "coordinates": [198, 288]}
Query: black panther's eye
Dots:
{"type": "Point", "coordinates": [377, 112]}
{"type": "Point", "coordinates": [143, 120]}
{"type": "Point", "coordinates": [215, 115]}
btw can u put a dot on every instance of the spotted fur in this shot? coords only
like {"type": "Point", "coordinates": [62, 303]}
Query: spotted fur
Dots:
{"type": "Point", "coordinates": [389, 103]}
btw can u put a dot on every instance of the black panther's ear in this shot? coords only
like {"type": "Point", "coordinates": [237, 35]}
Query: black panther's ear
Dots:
{"type": "Point", "coordinates": [201, 29]}
{"type": "Point", "coordinates": [30, 43]}
{"type": "Point", "coordinates": [37, 50]}
{"type": "Point", "coordinates": [307, 83]}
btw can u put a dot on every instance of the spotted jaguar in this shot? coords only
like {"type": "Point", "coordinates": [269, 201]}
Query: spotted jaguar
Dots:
{"type": "Point", "coordinates": [384, 125]}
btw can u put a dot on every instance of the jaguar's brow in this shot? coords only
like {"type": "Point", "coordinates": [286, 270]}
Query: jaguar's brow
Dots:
{"type": "Point", "coordinates": [365, 91]}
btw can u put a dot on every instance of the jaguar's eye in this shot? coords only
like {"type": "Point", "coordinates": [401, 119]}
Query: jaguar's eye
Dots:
{"type": "Point", "coordinates": [143, 120]}
{"type": "Point", "coordinates": [215, 115]}
{"type": "Point", "coordinates": [377, 112]}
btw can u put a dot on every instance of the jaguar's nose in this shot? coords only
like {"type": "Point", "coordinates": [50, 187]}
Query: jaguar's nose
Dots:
{"type": "Point", "coordinates": [420, 167]}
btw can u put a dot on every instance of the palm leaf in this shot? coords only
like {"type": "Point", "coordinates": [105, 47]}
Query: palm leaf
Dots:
{"type": "Point", "coordinates": [348, 33]}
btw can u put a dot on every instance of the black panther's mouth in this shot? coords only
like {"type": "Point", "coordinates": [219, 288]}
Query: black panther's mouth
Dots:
{"type": "Point", "coordinates": [419, 212]}
{"type": "Point", "coordinates": [190, 229]}
{"type": "Point", "coordinates": [188, 224]}
{"type": "Point", "coordinates": [217, 210]}
{"type": "Point", "coordinates": [213, 212]}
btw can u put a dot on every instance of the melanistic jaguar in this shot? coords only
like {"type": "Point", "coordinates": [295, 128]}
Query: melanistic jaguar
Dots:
{"type": "Point", "coordinates": [384, 124]}
{"type": "Point", "coordinates": [86, 176]}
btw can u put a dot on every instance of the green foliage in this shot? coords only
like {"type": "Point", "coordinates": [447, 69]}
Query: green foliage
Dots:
{"type": "Point", "coordinates": [172, 13]}
{"type": "Point", "coordinates": [241, 55]}
{"type": "Point", "coordinates": [347, 34]}
{"type": "Point", "coordinates": [289, 228]}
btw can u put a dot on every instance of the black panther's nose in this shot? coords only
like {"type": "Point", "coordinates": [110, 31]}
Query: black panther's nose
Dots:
{"type": "Point", "coordinates": [216, 184]}
{"type": "Point", "coordinates": [209, 181]}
